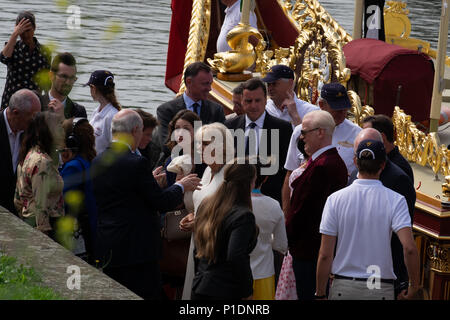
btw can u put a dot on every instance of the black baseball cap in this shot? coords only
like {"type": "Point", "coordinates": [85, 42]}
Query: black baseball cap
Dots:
{"type": "Point", "coordinates": [99, 78]}
{"type": "Point", "coordinates": [336, 96]}
{"type": "Point", "coordinates": [371, 150]}
{"type": "Point", "coordinates": [280, 71]}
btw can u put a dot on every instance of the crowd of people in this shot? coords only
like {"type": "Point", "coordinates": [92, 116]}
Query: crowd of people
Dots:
{"type": "Point", "coordinates": [339, 202]}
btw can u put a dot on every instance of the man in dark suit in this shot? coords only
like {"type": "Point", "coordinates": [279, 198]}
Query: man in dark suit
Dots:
{"type": "Point", "coordinates": [324, 174]}
{"type": "Point", "coordinates": [256, 120]}
{"type": "Point", "coordinates": [197, 79]}
{"type": "Point", "coordinates": [13, 121]}
{"type": "Point", "coordinates": [384, 125]}
{"type": "Point", "coordinates": [63, 76]}
{"type": "Point", "coordinates": [128, 197]}
{"type": "Point", "coordinates": [396, 179]}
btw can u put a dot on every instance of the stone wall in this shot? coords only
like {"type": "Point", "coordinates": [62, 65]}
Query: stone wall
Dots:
{"type": "Point", "coordinates": [55, 264]}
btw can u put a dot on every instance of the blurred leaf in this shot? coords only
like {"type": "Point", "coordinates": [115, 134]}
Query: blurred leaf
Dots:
{"type": "Point", "coordinates": [113, 29]}
{"type": "Point", "coordinates": [62, 4]}
{"type": "Point", "coordinates": [42, 79]}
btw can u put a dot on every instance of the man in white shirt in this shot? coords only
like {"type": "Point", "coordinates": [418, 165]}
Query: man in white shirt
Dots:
{"type": "Point", "coordinates": [354, 218]}
{"type": "Point", "coordinates": [283, 102]}
{"type": "Point", "coordinates": [13, 122]}
{"type": "Point", "coordinates": [333, 99]}
{"type": "Point", "coordinates": [232, 19]}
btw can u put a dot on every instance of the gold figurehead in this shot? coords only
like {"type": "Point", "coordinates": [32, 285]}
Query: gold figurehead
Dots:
{"type": "Point", "coordinates": [242, 55]}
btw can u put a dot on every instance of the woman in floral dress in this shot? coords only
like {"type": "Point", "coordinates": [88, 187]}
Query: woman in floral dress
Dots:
{"type": "Point", "coordinates": [39, 197]}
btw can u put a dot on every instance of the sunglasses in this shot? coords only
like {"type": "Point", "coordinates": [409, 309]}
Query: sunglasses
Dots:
{"type": "Point", "coordinates": [304, 132]}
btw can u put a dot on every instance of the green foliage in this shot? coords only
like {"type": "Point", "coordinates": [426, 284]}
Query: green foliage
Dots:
{"type": "Point", "coordinates": [21, 282]}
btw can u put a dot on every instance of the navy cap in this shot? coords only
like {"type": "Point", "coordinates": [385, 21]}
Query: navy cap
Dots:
{"type": "Point", "coordinates": [336, 96]}
{"type": "Point", "coordinates": [99, 78]}
{"type": "Point", "coordinates": [280, 71]}
{"type": "Point", "coordinates": [371, 150]}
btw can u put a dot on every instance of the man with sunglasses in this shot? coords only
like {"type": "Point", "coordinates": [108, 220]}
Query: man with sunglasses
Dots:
{"type": "Point", "coordinates": [324, 174]}
{"type": "Point", "coordinates": [334, 100]}
{"type": "Point", "coordinates": [63, 76]}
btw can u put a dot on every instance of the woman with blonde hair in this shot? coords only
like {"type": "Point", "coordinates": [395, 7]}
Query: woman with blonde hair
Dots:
{"type": "Point", "coordinates": [101, 84]}
{"type": "Point", "coordinates": [225, 234]}
{"type": "Point", "coordinates": [217, 148]}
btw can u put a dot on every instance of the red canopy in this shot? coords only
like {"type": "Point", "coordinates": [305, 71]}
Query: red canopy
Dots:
{"type": "Point", "coordinates": [386, 66]}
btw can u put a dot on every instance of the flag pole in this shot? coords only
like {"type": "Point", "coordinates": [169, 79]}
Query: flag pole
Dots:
{"type": "Point", "coordinates": [438, 83]}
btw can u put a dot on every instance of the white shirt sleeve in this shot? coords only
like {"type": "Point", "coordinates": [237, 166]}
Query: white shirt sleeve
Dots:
{"type": "Point", "coordinates": [280, 242]}
{"type": "Point", "coordinates": [400, 218]}
{"type": "Point", "coordinates": [329, 223]}
{"type": "Point", "coordinates": [294, 156]}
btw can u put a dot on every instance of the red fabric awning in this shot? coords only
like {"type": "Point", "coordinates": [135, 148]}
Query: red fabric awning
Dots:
{"type": "Point", "coordinates": [178, 40]}
{"type": "Point", "coordinates": [386, 67]}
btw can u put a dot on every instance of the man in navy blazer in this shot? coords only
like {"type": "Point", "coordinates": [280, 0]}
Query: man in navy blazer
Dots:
{"type": "Point", "coordinates": [256, 118]}
{"type": "Point", "coordinates": [197, 79]}
{"type": "Point", "coordinates": [13, 121]}
{"type": "Point", "coordinates": [127, 198]}
{"type": "Point", "coordinates": [324, 174]}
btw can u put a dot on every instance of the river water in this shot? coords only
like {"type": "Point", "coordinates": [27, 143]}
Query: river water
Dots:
{"type": "Point", "coordinates": [130, 39]}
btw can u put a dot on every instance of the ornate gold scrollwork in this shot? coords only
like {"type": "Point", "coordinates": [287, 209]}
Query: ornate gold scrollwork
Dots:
{"type": "Point", "coordinates": [198, 35]}
{"type": "Point", "coordinates": [316, 55]}
{"type": "Point", "coordinates": [418, 147]}
{"type": "Point", "coordinates": [439, 258]}
{"type": "Point", "coordinates": [358, 111]}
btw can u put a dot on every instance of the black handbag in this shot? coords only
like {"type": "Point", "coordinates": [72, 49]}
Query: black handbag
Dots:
{"type": "Point", "coordinates": [171, 230]}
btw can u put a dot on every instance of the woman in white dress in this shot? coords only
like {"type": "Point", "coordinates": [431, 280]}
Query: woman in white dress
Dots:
{"type": "Point", "coordinates": [102, 85]}
{"type": "Point", "coordinates": [217, 149]}
{"type": "Point", "coordinates": [272, 236]}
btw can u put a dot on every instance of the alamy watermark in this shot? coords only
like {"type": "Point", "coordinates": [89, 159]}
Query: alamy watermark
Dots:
{"type": "Point", "coordinates": [74, 21]}
{"type": "Point", "coordinates": [374, 281]}
{"type": "Point", "coordinates": [216, 147]}
{"type": "Point", "coordinates": [74, 280]}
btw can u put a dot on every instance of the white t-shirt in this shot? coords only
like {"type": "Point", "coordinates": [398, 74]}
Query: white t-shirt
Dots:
{"type": "Point", "coordinates": [303, 108]}
{"type": "Point", "coordinates": [343, 137]}
{"type": "Point", "coordinates": [272, 235]}
{"type": "Point", "coordinates": [232, 19]}
{"type": "Point", "coordinates": [101, 122]}
{"type": "Point", "coordinates": [362, 216]}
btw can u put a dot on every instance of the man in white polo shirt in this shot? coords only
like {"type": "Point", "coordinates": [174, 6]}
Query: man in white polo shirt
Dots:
{"type": "Point", "coordinates": [360, 219]}
{"type": "Point", "coordinates": [283, 102]}
{"type": "Point", "coordinates": [333, 99]}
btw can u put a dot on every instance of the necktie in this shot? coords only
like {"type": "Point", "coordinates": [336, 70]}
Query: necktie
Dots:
{"type": "Point", "coordinates": [196, 106]}
{"type": "Point", "coordinates": [252, 130]}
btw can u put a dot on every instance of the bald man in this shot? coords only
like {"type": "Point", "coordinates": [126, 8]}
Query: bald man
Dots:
{"type": "Point", "coordinates": [325, 173]}
{"type": "Point", "coordinates": [359, 214]}
{"type": "Point", "coordinates": [397, 180]}
{"type": "Point", "coordinates": [13, 122]}
{"type": "Point", "coordinates": [128, 198]}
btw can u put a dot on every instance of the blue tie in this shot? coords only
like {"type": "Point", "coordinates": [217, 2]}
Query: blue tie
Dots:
{"type": "Point", "coordinates": [196, 106]}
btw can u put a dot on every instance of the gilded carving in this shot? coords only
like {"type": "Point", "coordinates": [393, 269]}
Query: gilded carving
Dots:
{"type": "Point", "coordinates": [439, 257]}
{"type": "Point", "coordinates": [418, 147]}
{"type": "Point", "coordinates": [358, 111]}
{"type": "Point", "coordinates": [198, 35]}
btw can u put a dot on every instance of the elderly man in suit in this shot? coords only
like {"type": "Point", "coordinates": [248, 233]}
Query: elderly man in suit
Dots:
{"type": "Point", "coordinates": [333, 99]}
{"type": "Point", "coordinates": [255, 121]}
{"type": "Point", "coordinates": [324, 174]}
{"type": "Point", "coordinates": [197, 79]}
{"type": "Point", "coordinates": [13, 122]}
{"type": "Point", "coordinates": [128, 197]}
